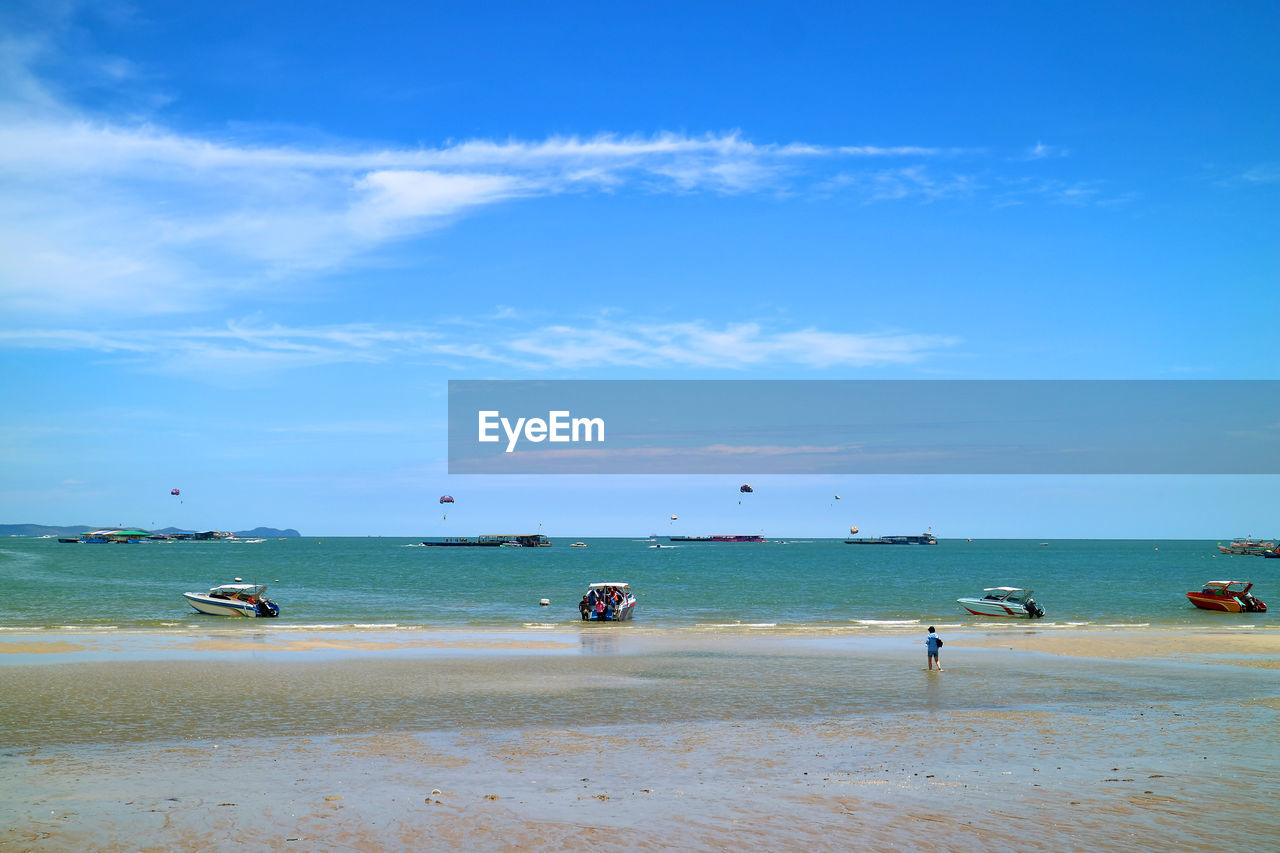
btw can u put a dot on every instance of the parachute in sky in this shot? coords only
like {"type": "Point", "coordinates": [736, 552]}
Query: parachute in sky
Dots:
{"type": "Point", "coordinates": [174, 492]}
{"type": "Point", "coordinates": [446, 499]}
{"type": "Point", "coordinates": [837, 497]}
{"type": "Point", "coordinates": [746, 489]}
{"type": "Point", "coordinates": [674, 517]}
{"type": "Point", "coordinates": [853, 530]}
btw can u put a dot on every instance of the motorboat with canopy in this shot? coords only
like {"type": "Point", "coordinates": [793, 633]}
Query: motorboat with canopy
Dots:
{"type": "Point", "coordinates": [1007, 601]}
{"type": "Point", "coordinates": [233, 599]}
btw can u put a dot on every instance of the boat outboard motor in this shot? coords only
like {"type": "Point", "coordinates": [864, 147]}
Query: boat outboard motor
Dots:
{"type": "Point", "coordinates": [267, 608]}
{"type": "Point", "coordinates": [1033, 610]}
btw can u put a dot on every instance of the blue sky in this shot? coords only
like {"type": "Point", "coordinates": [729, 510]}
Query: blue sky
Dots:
{"type": "Point", "coordinates": [244, 247]}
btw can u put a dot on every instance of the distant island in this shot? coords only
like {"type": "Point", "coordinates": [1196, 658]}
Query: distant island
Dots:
{"type": "Point", "coordinates": [77, 529]}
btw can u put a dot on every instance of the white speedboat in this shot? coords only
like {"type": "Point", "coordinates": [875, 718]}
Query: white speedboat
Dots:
{"type": "Point", "coordinates": [1003, 601]}
{"type": "Point", "coordinates": [233, 599]}
{"type": "Point", "coordinates": [620, 603]}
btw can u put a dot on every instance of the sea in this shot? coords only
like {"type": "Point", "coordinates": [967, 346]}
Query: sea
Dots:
{"type": "Point", "coordinates": [788, 585]}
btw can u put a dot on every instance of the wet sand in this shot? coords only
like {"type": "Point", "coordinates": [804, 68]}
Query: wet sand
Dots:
{"type": "Point", "coordinates": [1028, 741]}
{"type": "Point", "coordinates": [1239, 646]}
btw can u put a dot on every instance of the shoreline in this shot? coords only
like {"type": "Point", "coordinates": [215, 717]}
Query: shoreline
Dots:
{"type": "Point", "coordinates": [1246, 641]}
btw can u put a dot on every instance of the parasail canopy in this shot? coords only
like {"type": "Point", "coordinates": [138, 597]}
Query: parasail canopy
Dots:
{"type": "Point", "coordinates": [853, 530]}
{"type": "Point", "coordinates": [674, 517]}
{"type": "Point", "coordinates": [174, 492]}
{"type": "Point", "coordinates": [746, 489]}
{"type": "Point", "coordinates": [446, 499]}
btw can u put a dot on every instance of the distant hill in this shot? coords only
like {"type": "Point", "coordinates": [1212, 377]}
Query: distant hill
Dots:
{"type": "Point", "coordinates": [77, 529]}
{"type": "Point", "coordinates": [255, 533]}
{"type": "Point", "coordinates": [43, 530]}
{"type": "Point", "coordinates": [268, 533]}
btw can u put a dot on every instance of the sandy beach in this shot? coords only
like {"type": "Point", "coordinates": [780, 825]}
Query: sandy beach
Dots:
{"type": "Point", "coordinates": [1028, 741]}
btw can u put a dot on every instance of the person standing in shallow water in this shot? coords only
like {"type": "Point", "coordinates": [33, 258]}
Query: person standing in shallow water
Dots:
{"type": "Point", "coordinates": [931, 644]}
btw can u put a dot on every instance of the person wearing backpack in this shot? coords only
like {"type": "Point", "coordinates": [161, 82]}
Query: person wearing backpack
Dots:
{"type": "Point", "coordinates": [931, 644]}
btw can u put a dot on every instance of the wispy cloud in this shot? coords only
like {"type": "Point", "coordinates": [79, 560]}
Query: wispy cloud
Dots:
{"type": "Point", "coordinates": [735, 346]}
{"type": "Point", "coordinates": [914, 182]}
{"type": "Point", "coordinates": [1263, 173]}
{"type": "Point", "coordinates": [592, 344]}
{"type": "Point", "coordinates": [110, 215]}
{"type": "Point", "coordinates": [1040, 151]}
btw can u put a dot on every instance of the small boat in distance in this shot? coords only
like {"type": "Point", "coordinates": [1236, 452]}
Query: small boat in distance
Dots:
{"type": "Point", "coordinates": [578, 545]}
{"type": "Point", "coordinates": [1249, 546]}
{"type": "Point", "coordinates": [1003, 601]}
{"type": "Point", "coordinates": [233, 599]}
{"type": "Point", "coordinates": [926, 538]}
{"type": "Point", "coordinates": [1228, 597]}
{"type": "Point", "coordinates": [491, 540]}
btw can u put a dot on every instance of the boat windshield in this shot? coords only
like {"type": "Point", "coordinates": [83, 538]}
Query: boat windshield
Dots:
{"type": "Point", "coordinates": [1005, 593]}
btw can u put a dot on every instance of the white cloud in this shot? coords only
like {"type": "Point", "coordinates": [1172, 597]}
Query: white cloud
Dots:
{"type": "Point", "coordinates": [111, 215]}
{"type": "Point", "coordinates": [1263, 173]}
{"type": "Point", "coordinates": [1040, 151]}
{"type": "Point", "coordinates": [594, 344]}
{"type": "Point", "coordinates": [154, 221]}
{"type": "Point", "coordinates": [393, 200]}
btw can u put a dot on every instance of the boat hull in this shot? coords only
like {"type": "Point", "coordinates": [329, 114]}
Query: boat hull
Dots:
{"type": "Point", "coordinates": [226, 607]}
{"type": "Point", "coordinates": [978, 607]}
{"type": "Point", "coordinates": [1224, 604]}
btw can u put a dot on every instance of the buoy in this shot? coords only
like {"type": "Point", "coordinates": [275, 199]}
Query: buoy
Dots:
{"type": "Point", "coordinates": [545, 602]}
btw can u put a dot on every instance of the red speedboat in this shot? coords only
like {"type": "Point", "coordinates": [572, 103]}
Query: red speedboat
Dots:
{"type": "Point", "coordinates": [1228, 596]}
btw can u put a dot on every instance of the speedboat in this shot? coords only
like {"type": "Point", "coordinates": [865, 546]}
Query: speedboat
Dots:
{"type": "Point", "coordinates": [1227, 596]}
{"type": "Point", "coordinates": [1248, 545]}
{"type": "Point", "coordinates": [1003, 601]}
{"type": "Point", "coordinates": [620, 603]}
{"type": "Point", "coordinates": [233, 599]}
{"type": "Point", "coordinates": [578, 545]}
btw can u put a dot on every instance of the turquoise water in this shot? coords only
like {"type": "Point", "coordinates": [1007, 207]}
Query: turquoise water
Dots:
{"type": "Point", "coordinates": [371, 583]}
